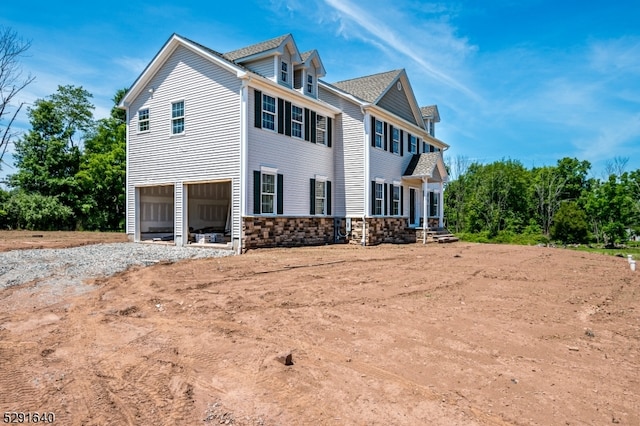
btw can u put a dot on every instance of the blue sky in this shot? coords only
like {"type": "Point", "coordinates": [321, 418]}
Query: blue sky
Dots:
{"type": "Point", "coordinates": [530, 80]}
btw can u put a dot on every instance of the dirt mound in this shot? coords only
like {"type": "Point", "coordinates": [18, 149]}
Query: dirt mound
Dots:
{"type": "Point", "coordinates": [437, 334]}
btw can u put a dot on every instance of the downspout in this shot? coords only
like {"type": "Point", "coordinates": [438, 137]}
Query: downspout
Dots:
{"type": "Point", "coordinates": [367, 173]}
{"type": "Point", "coordinates": [244, 155]}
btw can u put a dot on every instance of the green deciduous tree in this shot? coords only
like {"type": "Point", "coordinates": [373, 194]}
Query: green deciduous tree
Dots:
{"type": "Point", "coordinates": [103, 171]}
{"type": "Point", "coordinates": [47, 157]}
{"type": "Point", "coordinates": [570, 224]}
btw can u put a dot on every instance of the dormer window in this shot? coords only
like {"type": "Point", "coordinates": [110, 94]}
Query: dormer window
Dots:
{"type": "Point", "coordinates": [309, 84]}
{"type": "Point", "coordinates": [284, 72]}
{"type": "Point", "coordinates": [432, 128]}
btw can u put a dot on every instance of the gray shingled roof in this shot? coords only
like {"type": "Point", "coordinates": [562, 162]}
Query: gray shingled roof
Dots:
{"type": "Point", "coordinates": [305, 55]}
{"type": "Point", "coordinates": [430, 111]}
{"type": "Point", "coordinates": [263, 46]}
{"type": "Point", "coordinates": [422, 165]}
{"type": "Point", "coordinates": [368, 88]}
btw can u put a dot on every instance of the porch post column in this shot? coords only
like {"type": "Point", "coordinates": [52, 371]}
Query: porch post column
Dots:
{"type": "Point", "coordinates": [425, 209]}
{"type": "Point", "coordinates": [441, 207]}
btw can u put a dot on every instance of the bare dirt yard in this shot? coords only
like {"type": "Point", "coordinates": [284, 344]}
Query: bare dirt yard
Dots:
{"type": "Point", "coordinates": [454, 334]}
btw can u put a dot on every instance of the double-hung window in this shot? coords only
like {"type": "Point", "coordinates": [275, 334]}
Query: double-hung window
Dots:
{"type": "Point", "coordinates": [395, 143]}
{"type": "Point", "coordinates": [379, 199]}
{"type": "Point", "coordinates": [395, 206]}
{"type": "Point", "coordinates": [296, 121]}
{"type": "Point", "coordinates": [309, 83]}
{"type": "Point", "coordinates": [321, 129]}
{"type": "Point", "coordinates": [432, 128]}
{"type": "Point", "coordinates": [321, 196]}
{"type": "Point", "coordinates": [143, 120]}
{"type": "Point", "coordinates": [268, 193]}
{"type": "Point", "coordinates": [379, 129]}
{"type": "Point", "coordinates": [284, 71]}
{"type": "Point", "coordinates": [268, 112]}
{"type": "Point", "coordinates": [413, 144]}
{"type": "Point", "coordinates": [177, 118]}
{"type": "Point", "coordinates": [426, 147]}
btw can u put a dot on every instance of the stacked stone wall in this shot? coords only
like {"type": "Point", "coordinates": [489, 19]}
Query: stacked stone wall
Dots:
{"type": "Point", "coordinates": [280, 231]}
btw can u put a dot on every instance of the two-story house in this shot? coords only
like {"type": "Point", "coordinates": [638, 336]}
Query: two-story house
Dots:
{"type": "Point", "coordinates": [252, 146]}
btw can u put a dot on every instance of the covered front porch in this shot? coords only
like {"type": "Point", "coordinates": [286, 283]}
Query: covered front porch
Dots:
{"type": "Point", "coordinates": [425, 177]}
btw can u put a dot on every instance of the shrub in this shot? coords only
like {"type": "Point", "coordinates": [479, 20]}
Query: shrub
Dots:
{"type": "Point", "coordinates": [570, 224]}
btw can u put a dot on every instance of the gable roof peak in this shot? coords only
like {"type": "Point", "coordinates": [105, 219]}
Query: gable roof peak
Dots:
{"type": "Point", "coordinates": [430, 112]}
{"type": "Point", "coordinates": [257, 48]}
{"type": "Point", "coordinates": [369, 88]}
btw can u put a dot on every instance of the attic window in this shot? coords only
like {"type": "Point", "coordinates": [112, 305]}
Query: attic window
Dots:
{"type": "Point", "coordinates": [309, 84]}
{"type": "Point", "coordinates": [399, 85]}
{"type": "Point", "coordinates": [284, 71]}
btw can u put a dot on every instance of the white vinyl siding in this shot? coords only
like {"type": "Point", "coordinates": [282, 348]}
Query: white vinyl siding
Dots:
{"type": "Point", "coordinates": [262, 66]}
{"type": "Point", "coordinates": [213, 136]}
{"type": "Point", "coordinates": [349, 149]}
{"type": "Point", "coordinates": [297, 160]}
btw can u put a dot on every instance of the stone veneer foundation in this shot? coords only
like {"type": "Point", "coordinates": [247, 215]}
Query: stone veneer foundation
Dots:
{"type": "Point", "coordinates": [284, 231]}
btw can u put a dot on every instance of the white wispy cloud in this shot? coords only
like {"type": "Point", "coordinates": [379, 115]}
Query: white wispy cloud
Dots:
{"type": "Point", "coordinates": [416, 44]}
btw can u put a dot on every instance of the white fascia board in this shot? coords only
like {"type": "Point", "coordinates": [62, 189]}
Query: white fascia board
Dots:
{"type": "Point", "coordinates": [263, 83]}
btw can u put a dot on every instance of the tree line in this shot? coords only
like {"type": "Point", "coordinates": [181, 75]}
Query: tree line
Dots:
{"type": "Point", "coordinates": [561, 203]}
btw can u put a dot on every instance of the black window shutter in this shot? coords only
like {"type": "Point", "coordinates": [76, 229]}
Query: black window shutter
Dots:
{"type": "Point", "coordinates": [328, 197]}
{"type": "Point", "coordinates": [256, 192]}
{"type": "Point", "coordinates": [409, 142]}
{"type": "Point", "coordinates": [307, 124]}
{"type": "Point", "coordinates": [401, 143]}
{"type": "Point", "coordinates": [401, 201]}
{"type": "Point", "coordinates": [386, 136]}
{"type": "Point", "coordinates": [390, 138]}
{"type": "Point", "coordinates": [312, 197]}
{"type": "Point", "coordinates": [418, 143]}
{"type": "Point", "coordinates": [280, 195]}
{"type": "Point", "coordinates": [373, 131]}
{"type": "Point", "coordinates": [287, 118]}
{"type": "Point", "coordinates": [313, 127]}
{"type": "Point", "coordinates": [373, 197]}
{"type": "Point", "coordinates": [280, 116]}
{"type": "Point", "coordinates": [329, 131]}
{"type": "Point", "coordinates": [257, 108]}
{"type": "Point", "coordinates": [386, 198]}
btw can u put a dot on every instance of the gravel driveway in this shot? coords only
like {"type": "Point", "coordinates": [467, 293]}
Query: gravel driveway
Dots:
{"type": "Point", "coordinates": [71, 266]}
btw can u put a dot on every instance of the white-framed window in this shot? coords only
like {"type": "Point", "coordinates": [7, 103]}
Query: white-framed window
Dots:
{"type": "Point", "coordinates": [143, 120]}
{"type": "Point", "coordinates": [434, 200]}
{"type": "Point", "coordinates": [432, 128]}
{"type": "Point", "coordinates": [268, 112]}
{"type": "Point", "coordinates": [395, 205]}
{"type": "Point", "coordinates": [413, 144]}
{"type": "Point", "coordinates": [379, 138]}
{"type": "Point", "coordinates": [296, 121]}
{"type": "Point", "coordinates": [321, 129]}
{"type": "Point", "coordinates": [284, 71]}
{"type": "Point", "coordinates": [395, 143]}
{"type": "Point", "coordinates": [379, 199]}
{"type": "Point", "coordinates": [309, 83]}
{"type": "Point", "coordinates": [426, 147]}
{"type": "Point", "coordinates": [267, 192]}
{"type": "Point", "coordinates": [321, 197]}
{"type": "Point", "coordinates": [177, 117]}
